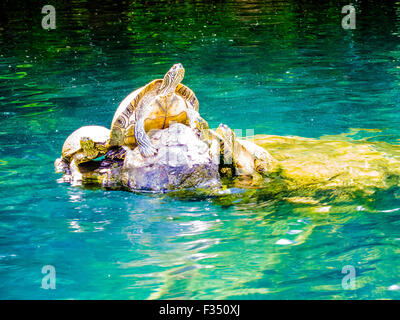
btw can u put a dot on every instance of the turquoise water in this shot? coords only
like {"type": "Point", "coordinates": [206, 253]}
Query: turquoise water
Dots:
{"type": "Point", "coordinates": [276, 67]}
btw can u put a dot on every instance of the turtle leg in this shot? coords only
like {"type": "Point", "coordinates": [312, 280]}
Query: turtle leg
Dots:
{"type": "Point", "coordinates": [260, 166]}
{"type": "Point", "coordinates": [146, 148]}
{"type": "Point", "coordinates": [116, 153]}
{"type": "Point", "coordinates": [76, 175]}
{"type": "Point", "coordinates": [195, 120]}
{"type": "Point", "coordinates": [198, 124]}
{"type": "Point", "coordinates": [129, 139]}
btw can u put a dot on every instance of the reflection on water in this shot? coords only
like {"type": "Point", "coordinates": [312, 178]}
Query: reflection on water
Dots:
{"type": "Point", "coordinates": [282, 68]}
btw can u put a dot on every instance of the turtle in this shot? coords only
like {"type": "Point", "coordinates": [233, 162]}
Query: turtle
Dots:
{"type": "Point", "coordinates": [243, 157]}
{"type": "Point", "coordinates": [83, 145]}
{"type": "Point", "coordinates": [155, 106]}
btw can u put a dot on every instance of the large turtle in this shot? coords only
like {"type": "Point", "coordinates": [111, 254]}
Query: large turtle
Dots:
{"type": "Point", "coordinates": [155, 106]}
{"type": "Point", "coordinates": [82, 145]}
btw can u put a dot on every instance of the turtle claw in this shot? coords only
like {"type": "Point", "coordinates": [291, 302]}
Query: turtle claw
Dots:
{"type": "Point", "coordinates": [148, 151]}
{"type": "Point", "coordinates": [116, 154]}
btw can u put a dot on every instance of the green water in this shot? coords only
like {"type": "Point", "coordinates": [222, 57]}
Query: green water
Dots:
{"type": "Point", "coordinates": [277, 67]}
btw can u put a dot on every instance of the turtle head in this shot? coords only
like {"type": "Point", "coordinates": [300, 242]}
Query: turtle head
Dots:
{"type": "Point", "coordinates": [227, 134]}
{"type": "Point", "coordinates": [172, 78]}
{"type": "Point", "coordinates": [61, 165]}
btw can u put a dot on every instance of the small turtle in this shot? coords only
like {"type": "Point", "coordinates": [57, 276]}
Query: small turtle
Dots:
{"type": "Point", "coordinates": [84, 144]}
{"type": "Point", "coordinates": [243, 156]}
{"type": "Point", "coordinates": [155, 106]}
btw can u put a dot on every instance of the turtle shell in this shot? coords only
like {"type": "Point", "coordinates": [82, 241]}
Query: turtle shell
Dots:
{"type": "Point", "coordinates": [125, 114]}
{"type": "Point", "coordinates": [72, 144]}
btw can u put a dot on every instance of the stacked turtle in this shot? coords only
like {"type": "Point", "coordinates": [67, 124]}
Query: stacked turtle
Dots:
{"type": "Point", "coordinates": [156, 106]}
{"type": "Point", "coordinates": [83, 145]}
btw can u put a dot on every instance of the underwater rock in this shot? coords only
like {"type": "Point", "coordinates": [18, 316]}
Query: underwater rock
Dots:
{"type": "Point", "coordinates": [182, 161]}
{"type": "Point", "coordinates": [340, 165]}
